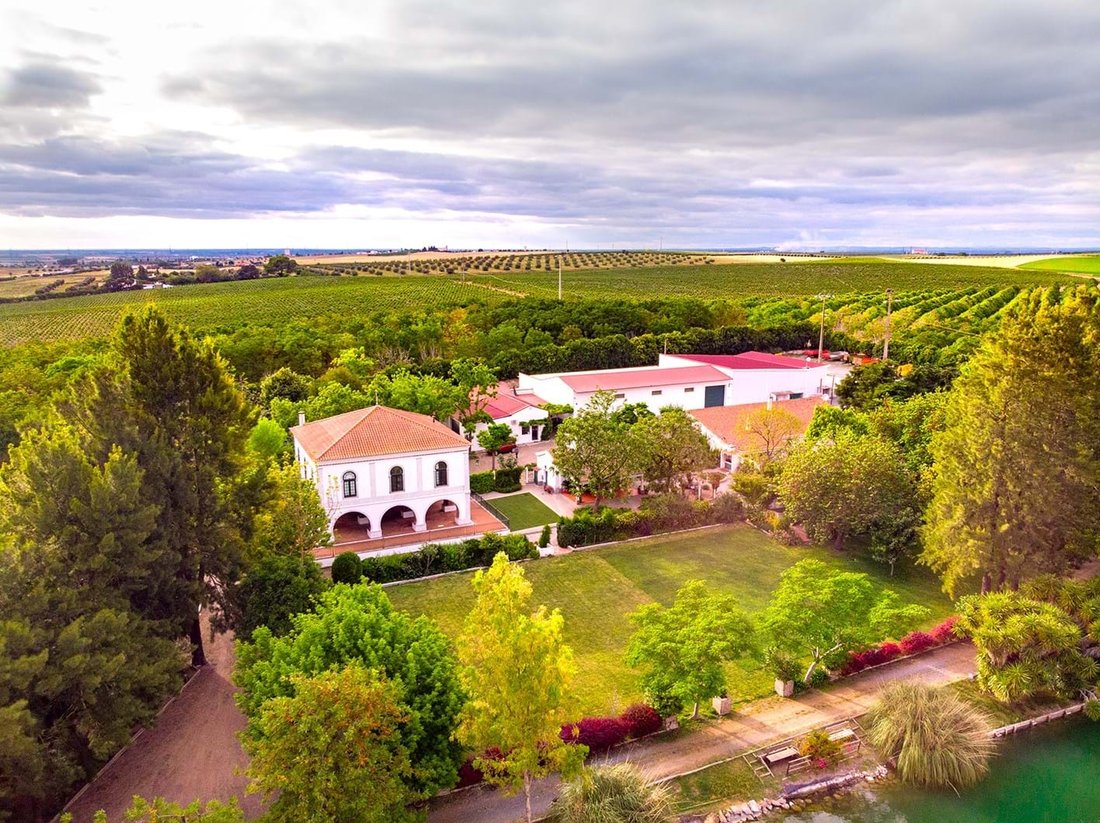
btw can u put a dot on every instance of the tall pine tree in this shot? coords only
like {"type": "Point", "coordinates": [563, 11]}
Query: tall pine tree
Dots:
{"type": "Point", "coordinates": [1015, 485]}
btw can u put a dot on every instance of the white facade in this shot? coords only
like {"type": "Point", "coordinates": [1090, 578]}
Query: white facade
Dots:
{"type": "Point", "coordinates": [758, 385]}
{"type": "Point", "coordinates": [520, 424]}
{"type": "Point", "coordinates": [656, 394]}
{"type": "Point", "coordinates": [366, 488]}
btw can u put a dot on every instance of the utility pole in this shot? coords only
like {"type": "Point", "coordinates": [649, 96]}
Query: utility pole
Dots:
{"type": "Point", "coordinates": [889, 309]}
{"type": "Point", "coordinates": [821, 334]}
{"type": "Point", "coordinates": [559, 278]}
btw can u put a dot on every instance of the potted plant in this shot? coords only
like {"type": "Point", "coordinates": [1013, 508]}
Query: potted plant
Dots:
{"type": "Point", "coordinates": [785, 668]}
{"type": "Point", "coordinates": [722, 704]}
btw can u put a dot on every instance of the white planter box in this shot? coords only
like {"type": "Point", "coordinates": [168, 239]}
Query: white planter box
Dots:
{"type": "Point", "coordinates": [784, 688]}
{"type": "Point", "coordinates": [722, 705]}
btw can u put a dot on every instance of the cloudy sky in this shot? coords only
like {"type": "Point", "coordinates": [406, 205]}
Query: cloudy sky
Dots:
{"type": "Point", "coordinates": [365, 123]}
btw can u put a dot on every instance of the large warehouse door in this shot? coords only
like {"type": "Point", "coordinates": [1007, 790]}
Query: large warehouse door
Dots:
{"type": "Point", "coordinates": [715, 396]}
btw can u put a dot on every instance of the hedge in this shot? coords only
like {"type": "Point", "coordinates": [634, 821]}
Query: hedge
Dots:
{"type": "Point", "coordinates": [347, 568]}
{"type": "Point", "coordinates": [435, 558]}
{"type": "Point", "coordinates": [481, 482]}
{"type": "Point", "coordinates": [663, 513]}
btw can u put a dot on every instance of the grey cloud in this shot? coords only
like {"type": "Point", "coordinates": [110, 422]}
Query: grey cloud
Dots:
{"type": "Point", "coordinates": [43, 85]}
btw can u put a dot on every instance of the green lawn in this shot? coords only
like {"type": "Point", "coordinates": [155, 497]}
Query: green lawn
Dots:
{"type": "Point", "coordinates": [524, 511]}
{"type": "Point", "coordinates": [597, 589]}
{"type": "Point", "coordinates": [1082, 264]}
{"type": "Point", "coordinates": [719, 786]}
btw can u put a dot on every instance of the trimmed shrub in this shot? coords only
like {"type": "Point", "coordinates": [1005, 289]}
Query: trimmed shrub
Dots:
{"type": "Point", "coordinates": [726, 508]}
{"type": "Point", "coordinates": [507, 480]}
{"type": "Point", "coordinates": [481, 482]}
{"type": "Point", "coordinates": [347, 568]}
{"type": "Point", "coordinates": [544, 537]}
{"type": "Point", "coordinates": [640, 720]}
{"type": "Point", "coordinates": [436, 558]}
{"type": "Point", "coordinates": [597, 733]}
{"type": "Point", "coordinates": [916, 642]}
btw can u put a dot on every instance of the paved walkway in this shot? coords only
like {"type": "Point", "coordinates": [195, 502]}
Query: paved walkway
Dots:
{"type": "Point", "coordinates": [754, 725]}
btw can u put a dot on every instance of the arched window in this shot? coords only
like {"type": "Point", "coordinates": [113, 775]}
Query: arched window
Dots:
{"type": "Point", "coordinates": [349, 484]}
{"type": "Point", "coordinates": [441, 473]}
{"type": "Point", "coordinates": [397, 479]}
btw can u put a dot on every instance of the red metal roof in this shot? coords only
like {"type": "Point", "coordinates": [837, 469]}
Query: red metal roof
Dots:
{"type": "Point", "coordinates": [613, 379]}
{"type": "Point", "coordinates": [748, 360]}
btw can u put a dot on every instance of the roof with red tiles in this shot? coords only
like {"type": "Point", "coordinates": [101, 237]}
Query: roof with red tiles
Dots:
{"type": "Point", "coordinates": [730, 423]}
{"type": "Point", "coordinates": [612, 379]}
{"type": "Point", "coordinates": [374, 431]}
{"type": "Point", "coordinates": [749, 360]}
{"type": "Point", "coordinates": [506, 402]}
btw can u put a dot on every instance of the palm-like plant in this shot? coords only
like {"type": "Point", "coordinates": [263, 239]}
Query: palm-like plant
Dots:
{"type": "Point", "coordinates": [612, 794]}
{"type": "Point", "coordinates": [935, 738]}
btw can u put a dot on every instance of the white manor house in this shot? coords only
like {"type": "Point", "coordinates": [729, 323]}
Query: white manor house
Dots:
{"type": "Point", "coordinates": [383, 472]}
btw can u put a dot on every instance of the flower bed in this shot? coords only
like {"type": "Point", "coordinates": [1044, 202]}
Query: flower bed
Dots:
{"type": "Point", "coordinates": [912, 643]}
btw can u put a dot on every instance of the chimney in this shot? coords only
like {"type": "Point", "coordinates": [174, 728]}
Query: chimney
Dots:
{"type": "Point", "coordinates": [771, 397]}
{"type": "Point", "coordinates": [302, 417]}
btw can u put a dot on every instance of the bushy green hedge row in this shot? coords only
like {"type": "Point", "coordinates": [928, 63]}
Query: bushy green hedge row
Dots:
{"type": "Point", "coordinates": [502, 480]}
{"type": "Point", "coordinates": [668, 512]}
{"type": "Point", "coordinates": [433, 558]}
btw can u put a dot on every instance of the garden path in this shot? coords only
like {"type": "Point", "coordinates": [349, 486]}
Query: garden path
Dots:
{"type": "Point", "coordinates": [752, 726]}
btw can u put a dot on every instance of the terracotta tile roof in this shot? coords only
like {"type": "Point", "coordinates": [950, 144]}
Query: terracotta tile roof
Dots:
{"type": "Point", "coordinates": [374, 431]}
{"type": "Point", "coordinates": [612, 379]}
{"type": "Point", "coordinates": [749, 360]}
{"type": "Point", "coordinates": [728, 423]}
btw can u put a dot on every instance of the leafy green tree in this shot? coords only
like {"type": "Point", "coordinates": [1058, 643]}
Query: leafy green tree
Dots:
{"type": "Point", "coordinates": [285, 384]}
{"type": "Point", "coordinates": [847, 486]}
{"type": "Point", "coordinates": [273, 591]}
{"type": "Point", "coordinates": [494, 437]}
{"type": "Point", "coordinates": [596, 450]}
{"type": "Point", "coordinates": [772, 432]}
{"type": "Point", "coordinates": [357, 624]}
{"type": "Point", "coordinates": [161, 811]}
{"type": "Point", "coordinates": [421, 393]}
{"type": "Point", "coordinates": [818, 612]}
{"type": "Point", "coordinates": [331, 399]}
{"type": "Point", "coordinates": [478, 383]}
{"type": "Point", "coordinates": [267, 439]}
{"type": "Point", "coordinates": [292, 522]}
{"type": "Point", "coordinates": [1025, 646]}
{"type": "Point", "coordinates": [935, 738]}
{"type": "Point", "coordinates": [280, 265]}
{"type": "Point", "coordinates": [671, 447]}
{"type": "Point", "coordinates": [613, 794]}
{"type": "Point", "coordinates": [334, 751]}
{"type": "Point", "coordinates": [910, 425]}
{"type": "Point", "coordinates": [681, 648]}
{"type": "Point", "coordinates": [1016, 490]}
{"type": "Point", "coordinates": [248, 271]}
{"type": "Point", "coordinates": [829, 422]}
{"type": "Point", "coordinates": [631, 413]}
{"type": "Point", "coordinates": [517, 671]}
{"type": "Point", "coordinates": [120, 275]}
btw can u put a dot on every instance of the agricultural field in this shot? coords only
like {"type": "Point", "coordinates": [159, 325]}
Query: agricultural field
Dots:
{"type": "Point", "coordinates": [597, 589]}
{"type": "Point", "coordinates": [854, 282]}
{"type": "Point", "coordinates": [25, 285]}
{"type": "Point", "coordinates": [440, 263]}
{"type": "Point", "coordinates": [1075, 264]}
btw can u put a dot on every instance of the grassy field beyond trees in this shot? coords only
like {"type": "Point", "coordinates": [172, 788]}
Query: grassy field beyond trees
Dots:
{"type": "Point", "coordinates": [596, 591]}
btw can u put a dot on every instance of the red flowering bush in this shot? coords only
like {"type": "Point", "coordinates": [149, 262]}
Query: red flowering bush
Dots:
{"type": "Point", "coordinates": [468, 774]}
{"type": "Point", "coordinates": [640, 720]}
{"type": "Point", "coordinates": [915, 642]}
{"type": "Point", "coordinates": [945, 631]}
{"type": "Point", "coordinates": [597, 733]}
{"type": "Point", "coordinates": [889, 651]}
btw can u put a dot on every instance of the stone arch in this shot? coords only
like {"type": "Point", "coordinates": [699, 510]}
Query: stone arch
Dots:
{"type": "Point", "coordinates": [353, 525]}
{"type": "Point", "coordinates": [400, 519]}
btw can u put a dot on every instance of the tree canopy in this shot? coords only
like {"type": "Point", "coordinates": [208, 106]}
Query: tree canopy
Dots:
{"type": "Point", "coordinates": [817, 612]}
{"type": "Point", "coordinates": [596, 450]}
{"type": "Point", "coordinates": [671, 447]}
{"type": "Point", "coordinates": [517, 671]}
{"type": "Point", "coordinates": [681, 648]}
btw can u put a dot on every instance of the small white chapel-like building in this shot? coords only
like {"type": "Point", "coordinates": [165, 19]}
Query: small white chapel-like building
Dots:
{"type": "Point", "coordinates": [382, 471]}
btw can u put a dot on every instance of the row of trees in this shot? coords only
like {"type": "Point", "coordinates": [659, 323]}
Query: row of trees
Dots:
{"type": "Point", "coordinates": [602, 448]}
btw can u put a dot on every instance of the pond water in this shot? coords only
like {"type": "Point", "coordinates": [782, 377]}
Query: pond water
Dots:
{"type": "Point", "coordinates": [1047, 775]}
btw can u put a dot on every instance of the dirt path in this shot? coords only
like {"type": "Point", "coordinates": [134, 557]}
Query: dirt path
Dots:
{"type": "Point", "coordinates": [190, 753]}
{"type": "Point", "coordinates": [753, 726]}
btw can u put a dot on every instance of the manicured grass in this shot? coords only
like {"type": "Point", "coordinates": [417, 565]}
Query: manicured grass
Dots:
{"type": "Point", "coordinates": [524, 511]}
{"type": "Point", "coordinates": [1083, 264]}
{"type": "Point", "coordinates": [596, 591]}
{"type": "Point", "coordinates": [722, 784]}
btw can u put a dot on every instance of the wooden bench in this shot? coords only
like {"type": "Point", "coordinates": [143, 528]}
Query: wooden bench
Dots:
{"type": "Point", "coordinates": [842, 735]}
{"type": "Point", "coordinates": [779, 755]}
